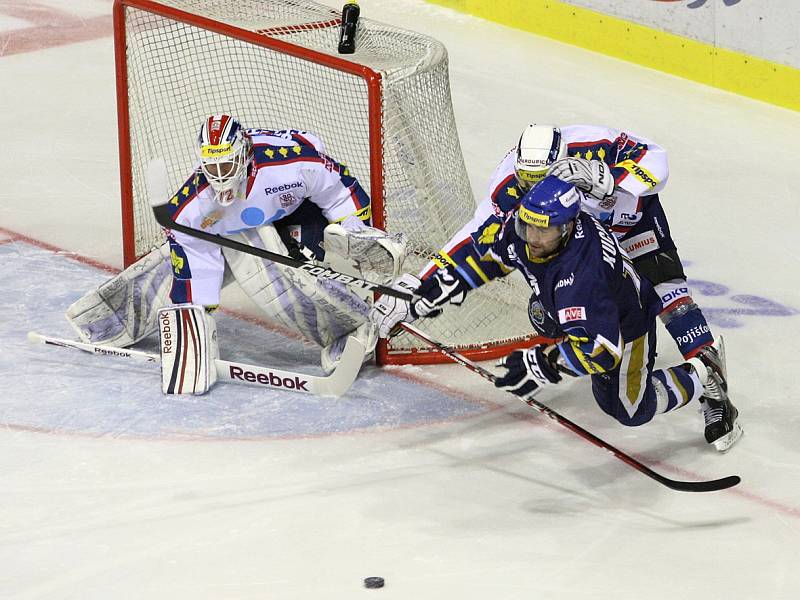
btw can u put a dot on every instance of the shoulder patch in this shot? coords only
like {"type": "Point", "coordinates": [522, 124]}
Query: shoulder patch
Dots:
{"type": "Point", "coordinates": [188, 191]}
{"type": "Point", "coordinates": [572, 313]}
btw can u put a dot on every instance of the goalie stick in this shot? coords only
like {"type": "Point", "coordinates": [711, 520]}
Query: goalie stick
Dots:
{"type": "Point", "coordinates": [681, 486]}
{"type": "Point", "coordinates": [335, 384]}
{"type": "Point", "coordinates": [159, 199]}
{"type": "Point", "coordinates": [136, 355]}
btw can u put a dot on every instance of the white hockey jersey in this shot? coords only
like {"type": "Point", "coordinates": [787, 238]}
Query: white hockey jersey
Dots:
{"type": "Point", "coordinates": [638, 165]}
{"type": "Point", "coordinates": [288, 168]}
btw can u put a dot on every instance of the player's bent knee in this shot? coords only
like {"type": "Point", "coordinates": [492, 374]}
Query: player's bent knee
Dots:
{"type": "Point", "coordinates": [660, 267]}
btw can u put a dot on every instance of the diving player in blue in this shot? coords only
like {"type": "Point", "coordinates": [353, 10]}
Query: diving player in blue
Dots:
{"type": "Point", "coordinates": [587, 293]}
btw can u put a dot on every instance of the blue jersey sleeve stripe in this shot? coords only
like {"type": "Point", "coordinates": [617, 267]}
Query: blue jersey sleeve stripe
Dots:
{"type": "Point", "coordinates": [465, 276]}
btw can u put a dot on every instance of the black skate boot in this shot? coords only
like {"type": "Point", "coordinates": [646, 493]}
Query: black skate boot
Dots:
{"type": "Point", "coordinates": [721, 416]}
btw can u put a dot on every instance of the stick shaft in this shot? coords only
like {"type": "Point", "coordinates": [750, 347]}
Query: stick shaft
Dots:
{"type": "Point", "coordinates": [683, 486]}
{"type": "Point", "coordinates": [164, 219]}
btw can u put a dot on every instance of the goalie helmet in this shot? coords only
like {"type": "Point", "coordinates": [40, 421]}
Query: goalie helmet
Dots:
{"type": "Point", "coordinates": [539, 147]}
{"type": "Point", "coordinates": [545, 213]}
{"type": "Point", "coordinates": [224, 152]}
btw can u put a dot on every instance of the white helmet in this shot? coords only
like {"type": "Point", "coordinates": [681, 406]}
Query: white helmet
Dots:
{"type": "Point", "coordinates": [224, 152]}
{"type": "Point", "coordinates": [539, 147]}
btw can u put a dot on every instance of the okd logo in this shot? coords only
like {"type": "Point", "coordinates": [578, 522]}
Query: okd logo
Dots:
{"type": "Point", "coordinates": [673, 295]}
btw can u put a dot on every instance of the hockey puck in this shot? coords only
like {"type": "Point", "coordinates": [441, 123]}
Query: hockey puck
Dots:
{"type": "Point", "coordinates": [373, 582]}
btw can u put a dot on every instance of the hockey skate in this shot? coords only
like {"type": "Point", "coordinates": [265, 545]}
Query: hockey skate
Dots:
{"type": "Point", "coordinates": [366, 333]}
{"type": "Point", "coordinates": [721, 416]}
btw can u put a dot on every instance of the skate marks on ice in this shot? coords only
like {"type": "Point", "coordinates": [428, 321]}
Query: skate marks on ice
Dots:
{"type": "Point", "coordinates": [65, 391]}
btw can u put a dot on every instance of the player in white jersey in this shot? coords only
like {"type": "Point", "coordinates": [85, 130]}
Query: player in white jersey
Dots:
{"type": "Point", "coordinates": [275, 189]}
{"type": "Point", "coordinates": [622, 174]}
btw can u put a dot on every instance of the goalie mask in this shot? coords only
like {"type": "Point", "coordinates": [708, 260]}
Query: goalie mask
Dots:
{"type": "Point", "coordinates": [539, 147]}
{"type": "Point", "coordinates": [224, 152]}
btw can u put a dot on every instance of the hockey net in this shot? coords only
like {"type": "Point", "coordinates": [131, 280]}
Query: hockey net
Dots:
{"type": "Point", "coordinates": [385, 111]}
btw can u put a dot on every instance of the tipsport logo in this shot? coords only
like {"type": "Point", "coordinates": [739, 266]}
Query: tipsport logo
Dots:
{"type": "Point", "coordinates": [699, 3]}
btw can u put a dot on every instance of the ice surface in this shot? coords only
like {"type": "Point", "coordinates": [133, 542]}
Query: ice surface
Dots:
{"type": "Point", "coordinates": [427, 477]}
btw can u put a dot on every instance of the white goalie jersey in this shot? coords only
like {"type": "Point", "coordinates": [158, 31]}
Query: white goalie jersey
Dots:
{"type": "Point", "coordinates": [288, 168]}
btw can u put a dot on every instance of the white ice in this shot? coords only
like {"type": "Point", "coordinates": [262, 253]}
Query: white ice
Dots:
{"type": "Point", "coordinates": [427, 477]}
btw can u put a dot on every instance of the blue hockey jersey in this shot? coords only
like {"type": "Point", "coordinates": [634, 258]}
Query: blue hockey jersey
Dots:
{"type": "Point", "coordinates": [590, 289]}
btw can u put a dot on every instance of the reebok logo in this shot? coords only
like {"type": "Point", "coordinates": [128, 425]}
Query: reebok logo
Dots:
{"type": "Point", "coordinates": [107, 352]}
{"type": "Point", "coordinates": [166, 334]}
{"type": "Point", "coordinates": [282, 188]}
{"type": "Point", "coordinates": [269, 379]}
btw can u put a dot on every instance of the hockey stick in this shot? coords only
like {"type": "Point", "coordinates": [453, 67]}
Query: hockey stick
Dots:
{"type": "Point", "coordinates": [136, 355]}
{"type": "Point", "coordinates": [335, 384]}
{"type": "Point", "coordinates": [159, 199]}
{"type": "Point", "coordinates": [681, 486]}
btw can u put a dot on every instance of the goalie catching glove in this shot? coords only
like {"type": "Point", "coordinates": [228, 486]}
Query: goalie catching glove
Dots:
{"type": "Point", "coordinates": [592, 176]}
{"type": "Point", "coordinates": [528, 370]}
{"type": "Point", "coordinates": [374, 253]}
{"type": "Point", "coordinates": [439, 289]}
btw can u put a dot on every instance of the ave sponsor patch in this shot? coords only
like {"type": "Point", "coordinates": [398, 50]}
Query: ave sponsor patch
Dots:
{"type": "Point", "coordinates": [572, 313]}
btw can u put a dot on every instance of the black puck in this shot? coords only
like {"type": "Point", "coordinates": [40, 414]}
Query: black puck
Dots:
{"type": "Point", "coordinates": [373, 582]}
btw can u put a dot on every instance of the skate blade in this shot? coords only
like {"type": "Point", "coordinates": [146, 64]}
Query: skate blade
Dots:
{"type": "Point", "coordinates": [725, 443]}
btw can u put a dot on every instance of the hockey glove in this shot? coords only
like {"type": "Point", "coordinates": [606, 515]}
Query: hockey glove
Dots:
{"type": "Point", "coordinates": [526, 371]}
{"type": "Point", "coordinates": [439, 289]}
{"type": "Point", "coordinates": [592, 176]}
{"type": "Point", "coordinates": [388, 312]}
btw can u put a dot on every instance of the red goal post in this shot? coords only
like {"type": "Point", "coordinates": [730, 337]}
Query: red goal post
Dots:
{"type": "Point", "coordinates": [385, 111]}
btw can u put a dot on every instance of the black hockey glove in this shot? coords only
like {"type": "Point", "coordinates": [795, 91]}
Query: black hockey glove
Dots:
{"type": "Point", "coordinates": [527, 371]}
{"type": "Point", "coordinates": [439, 289]}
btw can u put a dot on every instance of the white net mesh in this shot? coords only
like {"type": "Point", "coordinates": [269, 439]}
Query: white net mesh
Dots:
{"type": "Point", "coordinates": [178, 73]}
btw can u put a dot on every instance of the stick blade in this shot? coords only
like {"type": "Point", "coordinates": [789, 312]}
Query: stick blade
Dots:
{"type": "Point", "coordinates": [338, 382]}
{"type": "Point", "coordinates": [156, 178]}
{"type": "Point", "coordinates": [35, 338]}
{"type": "Point", "coordinates": [715, 485]}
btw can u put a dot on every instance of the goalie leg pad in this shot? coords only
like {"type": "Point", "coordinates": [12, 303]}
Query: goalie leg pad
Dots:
{"type": "Point", "coordinates": [124, 309]}
{"type": "Point", "coordinates": [321, 310]}
{"type": "Point", "coordinates": [331, 356]}
{"type": "Point", "coordinates": [188, 336]}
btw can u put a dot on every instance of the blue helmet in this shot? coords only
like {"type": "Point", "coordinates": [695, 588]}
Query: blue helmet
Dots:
{"type": "Point", "coordinates": [550, 202]}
